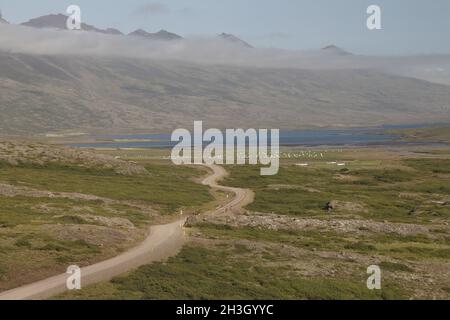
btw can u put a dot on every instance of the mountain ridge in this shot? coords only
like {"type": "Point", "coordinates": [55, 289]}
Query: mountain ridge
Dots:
{"type": "Point", "coordinates": [160, 35]}
{"type": "Point", "coordinates": [2, 20]}
{"type": "Point", "coordinates": [336, 50]}
{"type": "Point", "coordinates": [233, 39]}
{"type": "Point", "coordinates": [58, 21]}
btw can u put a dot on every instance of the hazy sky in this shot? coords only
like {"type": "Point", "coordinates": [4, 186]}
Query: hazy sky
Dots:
{"type": "Point", "coordinates": [409, 26]}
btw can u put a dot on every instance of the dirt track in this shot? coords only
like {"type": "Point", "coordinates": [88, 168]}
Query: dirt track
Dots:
{"type": "Point", "coordinates": [242, 197]}
{"type": "Point", "coordinates": [163, 241]}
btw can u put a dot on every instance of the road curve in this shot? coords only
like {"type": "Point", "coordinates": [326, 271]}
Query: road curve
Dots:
{"type": "Point", "coordinates": [162, 242]}
{"type": "Point", "coordinates": [242, 197]}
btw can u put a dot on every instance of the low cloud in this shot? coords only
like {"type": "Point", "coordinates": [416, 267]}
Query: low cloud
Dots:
{"type": "Point", "coordinates": [212, 50]}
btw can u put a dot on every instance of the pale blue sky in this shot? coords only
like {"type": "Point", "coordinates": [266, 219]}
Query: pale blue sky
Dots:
{"type": "Point", "coordinates": [409, 26]}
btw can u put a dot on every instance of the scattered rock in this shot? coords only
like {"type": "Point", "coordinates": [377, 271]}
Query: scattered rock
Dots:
{"type": "Point", "coordinates": [96, 235]}
{"type": "Point", "coordinates": [353, 226]}
{"type": "Point", "coordinates": [336, 205]}
{"type": "Point", "coordinates": [109, 222]}
{"type": "Point", "coordinates": [18, 152]}
{"type": "Point", "coordinates": [190, 222]}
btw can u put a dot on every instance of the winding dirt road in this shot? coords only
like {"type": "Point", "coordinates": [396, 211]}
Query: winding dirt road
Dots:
{"type": "Point", "coordinates": [242, 197]}
{"type": "Point", "coordinates": [163, 241]}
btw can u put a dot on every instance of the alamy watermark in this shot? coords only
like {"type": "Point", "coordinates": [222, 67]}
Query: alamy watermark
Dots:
{"type": "Point", "coordinates": [373, 22]}
{"type": "Point", "coordinates": [374, 280]}
{"type": "Point", "coordinates": [374, 19]}
{"type": "Point", "coordinates": [73, 21]}
{"type": "Point", "coordinates": [73, 281]}
{"type": "Point", "coordinates": [236, 146]}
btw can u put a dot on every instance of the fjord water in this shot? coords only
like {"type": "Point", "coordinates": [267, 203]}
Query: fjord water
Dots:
{"type": "Point", "coordinates": [351, 137]}
{"type": "Point", "coordinates": [317, 137]}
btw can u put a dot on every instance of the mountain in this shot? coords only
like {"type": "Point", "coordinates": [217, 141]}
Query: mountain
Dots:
{"type": "Point", "coordinates": [160, 35]}
{"type": "Point", "coordinates": [2, 20]}
{"type": "Point", "coordinates": [58, 21]}
{"type": "Point", "coordinates": [336, 50]}
{"type": "Point", "coordinates": [113, 31]}
{"type": "Point", "coordinates": [41, 94]}
{"type": "Point", "coordinates": [233, 39]}
{"type": "Point", "coordinates": [52, 21]}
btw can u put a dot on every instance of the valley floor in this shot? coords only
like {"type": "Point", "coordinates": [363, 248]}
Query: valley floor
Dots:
{"type": "Point", "coordinates": [312, 231]}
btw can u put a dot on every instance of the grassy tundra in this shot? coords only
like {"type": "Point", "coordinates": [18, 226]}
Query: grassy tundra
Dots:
{"type": "Point", "coordinates": [312, 231]}
{"type": "Point", "coordinates": [60, 206]}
